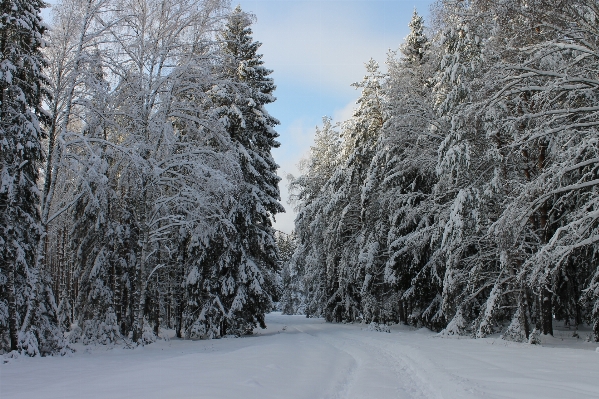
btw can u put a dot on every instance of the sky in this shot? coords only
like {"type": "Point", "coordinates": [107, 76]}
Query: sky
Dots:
{"type": "Point", "coordinates": [316, 50]}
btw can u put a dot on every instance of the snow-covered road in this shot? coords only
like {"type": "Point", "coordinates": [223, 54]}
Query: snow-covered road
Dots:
{"type": "Point", "coordinates": [308, 358]}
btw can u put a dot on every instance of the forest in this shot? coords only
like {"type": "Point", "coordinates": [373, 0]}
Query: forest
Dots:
{"type": "Point", "coordinates": [462, 195]}
{"type": "Point", "coordinates": [138, 185]}
{"type": "Point", "coordinates": [138, 189]}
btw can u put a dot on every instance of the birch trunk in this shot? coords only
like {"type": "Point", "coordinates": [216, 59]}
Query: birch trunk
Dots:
{"type": "Point", "coordinates": [52, 162]}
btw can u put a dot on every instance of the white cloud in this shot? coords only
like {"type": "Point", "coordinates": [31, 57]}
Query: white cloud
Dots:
{"type": "Point", "coordinates": [343, 114]}
{"type": "Point", "coordinates": [321, 47]}
{"type": "Point", "coordinates": [319, 44]}
{"type": "Point", "coordinates": [299, 136]}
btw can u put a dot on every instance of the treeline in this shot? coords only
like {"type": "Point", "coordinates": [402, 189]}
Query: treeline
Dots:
{"type": "Point", "coordinates": [463, 193]}
{"type": "Point", "coordinates": [138, 185]}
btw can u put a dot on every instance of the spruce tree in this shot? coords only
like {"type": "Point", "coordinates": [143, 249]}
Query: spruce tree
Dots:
{"type": "Point", "coordinates": [249, 278]}
{"type": "Point", "coordinates": [26, 303]}
{"type": "Point", "coordinates": [311, 192]}
{"type": "Point", "coordinates": [292, 298]}
{"type": "Point", "coordinates": [407, 152]}
{"type": "Point", "coordinates": [361, 258]}
{"type": "Point", "coordinates": [416, 43]}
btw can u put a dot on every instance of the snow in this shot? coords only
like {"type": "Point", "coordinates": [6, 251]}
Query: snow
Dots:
{"type": "Point", "coordinates": [296, 357]}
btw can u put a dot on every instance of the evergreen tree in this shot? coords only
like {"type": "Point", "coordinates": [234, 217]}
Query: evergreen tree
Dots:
{"type": "Point", "coordinates": [242, 268]}
{"type": "Point", "coordinates": [312, 260]}
{"type": "Point", "coordinates": [416, 44]}
{"type": "Point", "coordinates": [330, 219]}
{"type": "Point", "coordinates": [408, 153]}
{"type": "Point", "coordinates": [363, 236]}
{"type": "Point", "coordinates": [28, 310]}
{"type": "Point", "coordinates": [556, 156]}
{"type": "Point", "coordinates": [479, 195]}
{"type": "Point", "coordinates": [292, 300]}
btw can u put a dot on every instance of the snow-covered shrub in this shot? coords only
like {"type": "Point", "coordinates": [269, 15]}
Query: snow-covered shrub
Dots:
{"type": "Point", "coordinates": [75, 334]}
{"type": "Point", "coordinates": [148, 336]}
{"type": "Point", "coordinates": [535, 337]}
{"type": "Point", "coordinates": [104, 332]}
{"type": "Point", "coordinates": [457, 325]}
{"type": "Point", "coordinates": [515, 331]}
{"type": "Point", "coordinates": [485, 326]}
{"type": "Point", "coordinates": [379, 327]}
{"type": "Point", "coordinates": [29, 344]}
{"type": "Point", "coordinates": [202, 330]}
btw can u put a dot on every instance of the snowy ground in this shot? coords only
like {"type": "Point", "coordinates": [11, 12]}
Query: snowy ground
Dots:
{"type": "Point", "coordinates": [308, 358]}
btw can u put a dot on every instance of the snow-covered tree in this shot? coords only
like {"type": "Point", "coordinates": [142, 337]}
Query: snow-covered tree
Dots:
{"type": "Point", "coordinates": [240, 270]}
{"type": "Point", "coordinates": [310, 192]}
{"type": "Point", "coordinates": [551, 95]}
{"type": "Point", "coordinates": [151, 167]}
{"type": "Point", "coordinates": [329, 203]}
{"type": "Point", "coordinates": [408, 153]}
{"type": "Point", "coordinates": [28, 311]}
{"type": "Point", "coordinates": [292, 299]}
{"type": "Point", "coordinates": [365, 261]}
{"type": "Point", "coordinates": [473, 209]}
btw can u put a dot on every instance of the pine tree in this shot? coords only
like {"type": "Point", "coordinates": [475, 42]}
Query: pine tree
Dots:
{"type": "Point", "coordinates": [333, 222]}
{"type": "Point", "coordinates": [26, 300]}
{"type": "Point", "coordinates": [556, 153]}
{"type": "Point", "coordinates": [483, 180]}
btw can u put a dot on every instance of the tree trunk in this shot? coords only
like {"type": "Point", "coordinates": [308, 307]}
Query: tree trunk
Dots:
{"type": "Point", "coordinates": [525, 312]}
{"type": "Point", "coordinates": [13, 323]}
{"type": "Point", "coordinates": [401, 318]}
{"type": "Point", "coordinates": [223, 327]}
{"type": "Point", "coordinates": [116, 294]}
{"type": "Point", "coordinates": [546, 311]}
{"type": "Point", "coordinates": [157, 316]}
{"type": "Point", "coordinates": [125, 319]}
{"type": "Point", "coordinates": [546, 294]}
{"type": "Point", "coordinates": [140, 307]}
{"type": "Point", "coordinates": [179, 319]}
{"type": "Point", "coordinates": [338, 313]}
{"type": "Point", "coordinates": [596, 323]}
{"type": "Point", "coordinates": [403, 312]}
{"type": "Point", "coordinates": [141, 287]}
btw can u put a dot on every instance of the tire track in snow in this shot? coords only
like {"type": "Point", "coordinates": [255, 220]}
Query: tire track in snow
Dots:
{"type": "Point", "coordinates": [448, 385]}
{"type": "Point", "coordinates": [407, 383]}
{"type": "Point", "coordinates": [342, 388]}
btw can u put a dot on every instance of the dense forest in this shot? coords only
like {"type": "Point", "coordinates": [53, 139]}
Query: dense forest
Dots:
{"type": "Point", "coordinates": [463, 193]}
{"type": "Point", "coordinates": [138, 186]}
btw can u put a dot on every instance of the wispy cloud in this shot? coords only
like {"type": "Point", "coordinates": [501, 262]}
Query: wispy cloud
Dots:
{"type": "Point", "coordinates": [325, 44]}
{"type": "Point", "coordinates": [299, 136]}
{"type": "Point", "coordinates": [344, 113]}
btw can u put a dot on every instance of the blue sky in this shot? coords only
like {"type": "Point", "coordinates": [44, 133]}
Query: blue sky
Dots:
{"type": "Point", "coordinates": [317, 49]}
